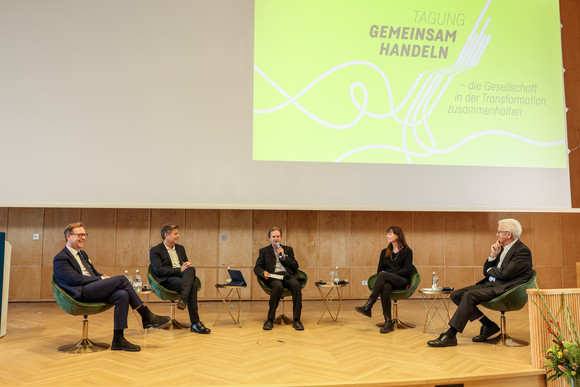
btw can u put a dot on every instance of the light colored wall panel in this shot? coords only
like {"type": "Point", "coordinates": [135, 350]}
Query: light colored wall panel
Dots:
{"type": "Point", "coordinates": [549, 277]}
{"type": "Point", "coordinates": [485, 228]}
{"type": "Point", "coordinates": [570, 239]}
{"type": "Point", "coordinates": [429, 242]}
{"type": "Point", "coordinates": [459, 239]}
{"type": "Point", "coordinates": [302, 235]}
{"type": "Point", "coordinates": [359, 274]}
{"type": "Point", "coordinates": [235, 233]}
{"type": "Point", "coordinates": [309, 292]}
{"type": "Point", "coordinates": [334, 238]}
{"type": "Point", "coordinates": [22, 223]}
{"type": "Point", "coordinates": [25, 283]}
{"type": "Point", "coordinates": [132, 240]}
{"type": "Point", "coordinates": [101, 224]}
{"type": "Point", "coordinates": [458, 277]}
{"type": "Point", "coordinates": [208, 278]}
{"type": "Point", "coordinates": [202, 234]}
{"type": "Point", "coordinates": [367, 238]}
{"type": "Point", "coordinates": [160, 217]}
{"type": "Point", "coordinates": [547, 240]}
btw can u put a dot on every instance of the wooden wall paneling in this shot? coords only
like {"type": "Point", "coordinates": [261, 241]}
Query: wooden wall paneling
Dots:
{"type": "Point", "coordinates": [428, 229]}
{"type": "Point", "coordinates": [160, 217]}
{"type": "Point", "coordinates": [547, 240]}
{"type": "Point", "coordinates": [26, 268]}
{"type": "Point", "coordinates": [403, 219]}
{"type": "Point", "coordinates": [132, 240]}
{"type": "Point", "coordinates": [262, 221]}
{"type": "Point", "coordinates": [426, 273]}
{"type": "Point", "coordinates": [202, 235]}
{"type": "Point", "coordinates": [485, 230]}
{"type": "Point", "coordinates": [549, 277]}
{"type": "Point", "coordinates": [570, 239]}
{"type": "Point", "coordinates": [459, 239]}
{"type": "Point", "coordinates": [367, 238]}
{"type": "Point", "coordinates": [334, 239]}
{"type": "Point", "coordinates": [207, 276]}
{"type": "Point", "coordinates": [569, 277]}
{"type": "Point", "coordinates": [309, 292]}
{"type": "Point", "coordinates": [3, 219]}
{"type": "Point", "coordinates": [53, 241]}
{"type": "Point", "coordinates": [303, 237]}
{"type": "Point", "coordinates": [458, 277]}
{"type": "Point", "coordinates": [100, 224]}
{"type": "Point", "coordinates": [235, 238]}
{"type": "Point", "coordinates": [357, 275]}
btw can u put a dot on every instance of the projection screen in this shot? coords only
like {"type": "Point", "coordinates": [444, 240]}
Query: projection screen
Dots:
{"type": "Point", "coordinates": [298, 104]}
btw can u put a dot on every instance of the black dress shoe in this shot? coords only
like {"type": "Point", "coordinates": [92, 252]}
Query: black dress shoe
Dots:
{"type": "Point", "coordinates": [181, 305]}
{"type": "Point", "coordinates": [443, 341]}
{"type": "Point", "coordinates": [199, 328]}
{"type": "Point", "coordinates": [154, 321]}
{"type": "Point", "coordinates": [485, 333]}
{"type": "Point", "coordinates": [268, 325]}
{"type": "Point", "coordinates": [121, 344]}
{"type": "Point", "coordinates": [298, 325]}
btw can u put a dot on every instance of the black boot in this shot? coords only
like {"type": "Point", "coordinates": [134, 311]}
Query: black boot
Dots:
{"type": "Point", "coordinates": [389, 326]}
{"type": "Point", "coordinates": [120, 343]}
{"type": "Point", "coordinates": [366, 308]}
{"type": "Point", "coordinates": [151, 320]}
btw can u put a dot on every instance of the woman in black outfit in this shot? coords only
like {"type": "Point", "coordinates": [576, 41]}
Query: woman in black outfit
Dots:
{"type": "Point", "coordinates": [394, 272]}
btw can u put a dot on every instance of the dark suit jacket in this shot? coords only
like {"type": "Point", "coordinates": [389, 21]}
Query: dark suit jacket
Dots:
{"type": "Point", "coordinates": [161, 262]}
{"type": "Point", "coordinates": [69, 275]}
{"type": "Point", "coordinates": [516, 268]}
{"type": "Point", "coordinates": [267, 261]}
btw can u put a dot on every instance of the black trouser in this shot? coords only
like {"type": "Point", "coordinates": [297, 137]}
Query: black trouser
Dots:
{"type": "Point", "coordinates": [115, 290]}
{"type": "Point", "coordinates": [276, 287]}
{"type": "Point", "coordinates": [467, 300]}
{"type": "Point", "coordinates": [186, 286]}
{"type": "Point", "coordinates": [384, 284]}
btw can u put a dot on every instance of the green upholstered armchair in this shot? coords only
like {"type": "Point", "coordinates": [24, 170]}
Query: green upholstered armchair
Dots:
{"type": "Point", "coordinates": [399, 294]}
{"type": "Point", "coordinates": [168, 295]}
{"type": "Point", "coordinates": [78, 308]}
{"type": "Point", "coordinates": [285, 293]}
{"type": "Point", "coordinates": [514, 299]}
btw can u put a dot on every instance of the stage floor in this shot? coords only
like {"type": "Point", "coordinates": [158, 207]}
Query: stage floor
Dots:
{"type": "Point", "coordinates": [323, 354]}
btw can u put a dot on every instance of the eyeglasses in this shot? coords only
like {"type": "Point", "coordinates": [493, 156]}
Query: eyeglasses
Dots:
{"type": "Point", "coordinates": [80, 234]}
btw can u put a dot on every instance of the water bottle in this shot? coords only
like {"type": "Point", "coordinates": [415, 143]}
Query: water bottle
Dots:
{"type": "Point", "coordinates": [434, 286]}
{"type": "Point", "coordinates": [228, 280]}
{"type": "Point", "coordinates": [138, 282]}
{"type": "Point", "coordinates": [129, 277]}
{"type": "Point", "coordinates": [336, 275]}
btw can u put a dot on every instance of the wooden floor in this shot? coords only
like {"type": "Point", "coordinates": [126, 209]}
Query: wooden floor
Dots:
{"type": "Point", "coordinates": [323, 354]}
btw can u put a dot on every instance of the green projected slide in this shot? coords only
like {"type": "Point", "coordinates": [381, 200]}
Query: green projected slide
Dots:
{"type": "Point", "coordinates": [440, 82]}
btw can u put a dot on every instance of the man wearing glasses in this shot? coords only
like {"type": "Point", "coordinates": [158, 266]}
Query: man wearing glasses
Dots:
{"type": "Point", "coordinates": [75, 273]}
{"type": "Point", "coordinates": [509, 264]}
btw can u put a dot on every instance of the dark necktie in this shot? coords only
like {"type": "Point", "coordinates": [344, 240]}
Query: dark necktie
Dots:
{"type": "Point", "coordinates": [86, 264]}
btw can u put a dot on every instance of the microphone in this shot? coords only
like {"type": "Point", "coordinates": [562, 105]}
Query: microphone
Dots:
{"type": "Point", "coordinates": [280, 256]}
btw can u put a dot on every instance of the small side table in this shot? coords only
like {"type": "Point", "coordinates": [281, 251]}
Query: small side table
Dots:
{"type": "Point", "coordinates": [331, 292]}
{"type": "Point", "coordinates": [234, 292]}
{"type": "Point", "coordinates": [433, 301]}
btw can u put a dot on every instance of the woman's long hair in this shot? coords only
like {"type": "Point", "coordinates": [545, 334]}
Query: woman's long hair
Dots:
{"type": "Point", "coordinates": [398, 231]}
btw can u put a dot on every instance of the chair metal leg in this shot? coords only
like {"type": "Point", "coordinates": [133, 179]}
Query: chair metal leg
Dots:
{"type": "Point", "coordinates": [282, 318]}
{"type": "Point", "coordinates": [84, 345]}
{"type": "Point", "coordinates": [174, 324]}
{"type": "Point", "coordinates": [398, 323]}
{"type": "Point", "coordinates": [504, 339]}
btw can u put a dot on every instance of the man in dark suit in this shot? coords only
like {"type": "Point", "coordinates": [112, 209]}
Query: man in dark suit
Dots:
{"type": "Point", "coordinates": [173, 271]}
{"type": "Point", "coordinates": [75, 273]}
{"type": "Point", "coordinates": [509, 264]}
{"type": "Point", "coordinates": [279, 260]}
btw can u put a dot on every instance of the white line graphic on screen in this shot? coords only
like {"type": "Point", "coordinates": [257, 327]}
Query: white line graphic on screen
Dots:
{"type": "Point", "coordinates": [422, 98]}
